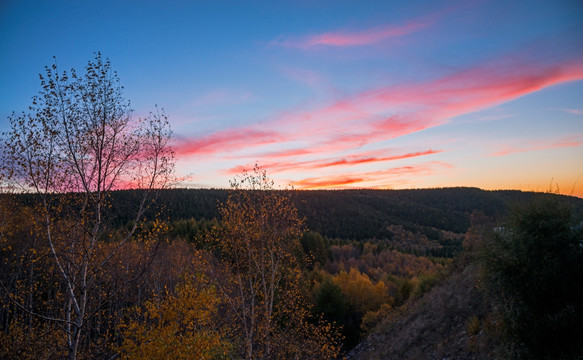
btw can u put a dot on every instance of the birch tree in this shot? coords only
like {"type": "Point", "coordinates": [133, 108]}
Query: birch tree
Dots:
{"type": "Point", "coordinates": [76, 144]}
{"type": "Point", "coordinates": [260, 237]}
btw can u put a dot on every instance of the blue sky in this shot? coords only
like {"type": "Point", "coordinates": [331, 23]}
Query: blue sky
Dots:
{"type": "Point", "coordinates": [332, 94]}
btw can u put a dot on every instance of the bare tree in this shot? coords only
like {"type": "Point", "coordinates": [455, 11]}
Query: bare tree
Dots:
{"type": "Point", "coordinates": [77, 143]}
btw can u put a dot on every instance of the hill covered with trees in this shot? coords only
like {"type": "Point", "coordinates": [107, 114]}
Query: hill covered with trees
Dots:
{"type": "Point", "coordinates": [371, 264]}
{"type": "Point", "coordinates": [431, 214]}
{"type": "Point", "coordinates": [363, 214]}
{"type": "Point", "coordinates": [513, 294]}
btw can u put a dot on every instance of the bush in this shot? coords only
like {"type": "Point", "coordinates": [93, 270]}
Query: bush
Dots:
{"type": "Point", "coordinates": [533, 268]}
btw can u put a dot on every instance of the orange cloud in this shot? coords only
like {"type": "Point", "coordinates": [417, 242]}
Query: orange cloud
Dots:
{"type": "Point", "coordinates": [326, 182]}
{"type": "Point", "coordinates": [364, 179]}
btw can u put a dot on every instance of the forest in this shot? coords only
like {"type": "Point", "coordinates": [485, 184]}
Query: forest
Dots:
{"type": "Point", "coordinates": [92, 270]}
{"type": "Point", "coordinates": [177, 285]}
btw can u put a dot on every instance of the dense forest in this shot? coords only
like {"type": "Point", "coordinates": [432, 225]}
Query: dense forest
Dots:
{"type": "Point", "coordinates": [428, 221]}
{"type": "Point", "coordinates": [359, 214]}
{"type": "Point", "coordinates": [348, 283]}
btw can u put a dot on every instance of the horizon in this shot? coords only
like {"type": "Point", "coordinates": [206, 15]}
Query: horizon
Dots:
{"type": "Point", "coordinates": [333, 95]}
{"type": "Point", "coordinates": [541, 192]}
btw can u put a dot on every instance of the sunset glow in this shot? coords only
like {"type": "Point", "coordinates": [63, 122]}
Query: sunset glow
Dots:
{"type": "Point", "coordinates": [333, 95]}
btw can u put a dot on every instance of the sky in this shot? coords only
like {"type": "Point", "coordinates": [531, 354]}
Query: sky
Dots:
{"type": "Point", "coordinates": [331, 94]}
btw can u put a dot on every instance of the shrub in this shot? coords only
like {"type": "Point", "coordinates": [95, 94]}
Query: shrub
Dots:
{"type": "Point", "coordinates": [533, 269]}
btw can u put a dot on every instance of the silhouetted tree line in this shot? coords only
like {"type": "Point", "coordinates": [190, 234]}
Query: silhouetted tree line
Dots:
{"type": "Point", "coordinates": [357, 214]}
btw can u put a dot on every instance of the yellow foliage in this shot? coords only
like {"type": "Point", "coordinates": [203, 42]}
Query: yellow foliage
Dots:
{"type": "Point", "coordinates": [360, 292]}
{"type": "Point", "coordinates": [180, 326]}
{"type": "Point", "coordinates": [260, 240]}
{"type": "Point", "coordinates": [26, 334]}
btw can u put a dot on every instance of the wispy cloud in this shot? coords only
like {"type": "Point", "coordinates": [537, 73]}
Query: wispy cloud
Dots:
{"type": "Point", "coordinates": [308, 139]}
{"type": "Point", "coordinates": [480, 118]}
{"type": "Point", "coordinates": [224, 141]}
{"type": "Point", "coordinates": [377, 179]}
{"type": "Point", "coordinates": [347, 161]}
{"type": "Point", "coordinates": [303, 76]}
{"type": "Point", "coordinates": [562, 143]}
{"type": "Point", "coordinates": [389, 112]}
{"type": "Point", "coordinates": [569, 111]}
{"type": "Point", "coordinates": [386, 113]}
{"type": "Point", "coordinates": [222, 97]}
{"type": "Point", "coordinates": [352, 38]}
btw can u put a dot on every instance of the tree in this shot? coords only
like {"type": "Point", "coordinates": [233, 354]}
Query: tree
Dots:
{"type": "Point", "coordinates": [178, 326]}
{"type": "Point", "coordinates": [533, 268]}
{"type": "Point", "coordinates": [362, 296]}
{"type": "Point", "coordinates": [361, 293]}
{"type": "Point", "coordinates": [330, 301]}
{"type": "Point", "coordinates": [77, 144]}
{"type": "Point", "coordinates": [315, 247]}
{"type": "Point", "coordinates": [260, 237]}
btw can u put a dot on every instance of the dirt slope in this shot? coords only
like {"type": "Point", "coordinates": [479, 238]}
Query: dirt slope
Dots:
{"type": "Point", "coordinates": [447, 323]}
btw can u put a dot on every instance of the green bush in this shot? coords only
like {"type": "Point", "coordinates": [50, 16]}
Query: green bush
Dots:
{"type": "Point", "coordinates": [533, 269]}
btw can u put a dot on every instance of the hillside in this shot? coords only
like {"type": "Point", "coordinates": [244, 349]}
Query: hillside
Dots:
{"type": "Point", "coordinates": [446, 323]}
{"type": "Point", "coordinates": [421, 221]}
{"type": "Point", "coordinates": [514, 293]}
{"type": "Point", "coordinates": [363, 214]}
{"type": "Point", "coordinates": [383, 274]}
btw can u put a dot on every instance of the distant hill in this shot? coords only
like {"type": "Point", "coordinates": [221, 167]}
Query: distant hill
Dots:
{"type": "Point", "coordinates": [351, 214]}
{"type": "Point", "coordinates": [362, 214]}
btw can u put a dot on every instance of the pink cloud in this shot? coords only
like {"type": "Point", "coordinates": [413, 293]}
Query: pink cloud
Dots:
{"type": "Point", "coordinates": [381, 114]}
{"type": "Point", "coordinates": [346, 38]}
{"type": "Point", "coordinates": [475, 89]}
{"type": "Point", "coordinates": [286, 153]}
{"type": "Point", "coordinates": [225, 141]}
{"type": "Point", "coordinates": [354, 160]}
{"type": "Point", "coordinates": [360, 119]}
{"type": "Point", "coordinates": [349, 123]}
{"type": "Point", "coordinates": [569, 111]}
{"type": "Point", "coordinates": [363, 158]}
{"type": "Point", "coordinates": [343, 38]}
{"type": "Point", "coordinates": [535, 147]}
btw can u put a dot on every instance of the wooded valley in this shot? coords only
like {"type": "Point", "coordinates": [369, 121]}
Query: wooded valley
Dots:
{"type": "Point", "coordinates": [196, 282]}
